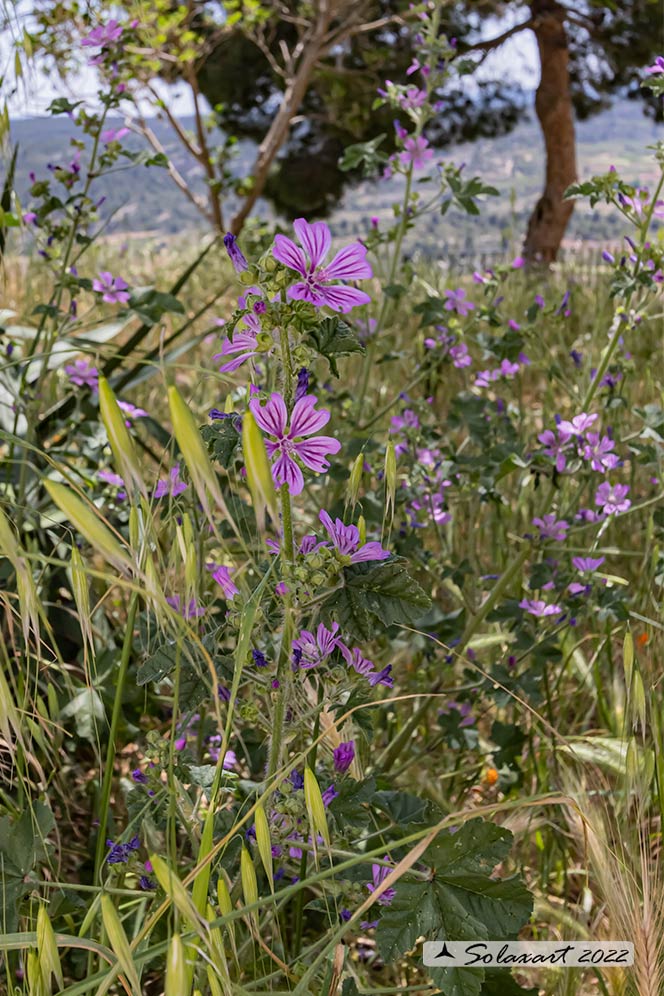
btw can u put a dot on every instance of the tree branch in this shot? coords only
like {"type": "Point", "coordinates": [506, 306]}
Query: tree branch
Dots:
{"type": "Point", "coordinates": [491, 43]}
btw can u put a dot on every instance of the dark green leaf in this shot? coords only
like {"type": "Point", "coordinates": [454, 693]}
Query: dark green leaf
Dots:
{"type": "Point", "coordinates": [333, 338]}
{"type": "Point", "coordinates": [382, 592]}
{"type": "Point", "coordinates": [460, 902]}
{"type": "Point", "coordinates": [150, 304]}
{"type": "Point", "coordinates": [222, 438]}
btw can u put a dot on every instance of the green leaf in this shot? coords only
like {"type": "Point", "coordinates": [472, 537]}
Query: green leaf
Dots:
{"type": "Point", "coordinates": [150, 304]}
{"type": "Point", "coordinates": [87, 711]}
{"type": "Point", "coordinates": [366, 154]}
{"type": "Point", "coordinates": [499, 982]}
{"type": "Point", "coordinates": [404, 808]}
{"type": "Point", "coordinates": [376, 593]}
{"type": "Point", "coordinates": [222, 438]}
{"type": "Point", "coordinates": [333, 338]}
{"type": "Point", "coordinates": [461, 902]}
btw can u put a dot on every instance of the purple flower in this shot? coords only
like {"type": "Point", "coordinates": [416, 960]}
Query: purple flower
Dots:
{"type": "Point", "coordinates": [114, 290]}
{"type": "Point", "coordinates": [139, 777]}
{"type": "Point", "coordinates": [416, 151]}
{"type": "Point", "coordinates": [598, 451]}
{"type": "Point", "coordinates": [102, 35]}
{"type": "Point", "coordinates": [114, 480]}
{"type": "Point", "coordinates": [657, 66]}
{"type": "Point", "coordinates": [539, 608]}
{"type": "Point", "coordinates": [120, 853]}
{"type": "Point", "coordinates": [131, 410]}
{"type": "Point", "coordinates": [355, 659]}
{"type": "Point", "coordinates": [551, 528]}
{"type": "Point", "coordinates": [612, 498]}
{"type": "Point", "coordinates": [381, 677]}
{"type": "Point", "coordinates": [235, 253]}
{"type": "Point", "coordinates": [412, 98]}
{"type": "Point", "coordinates": [578, 425]}
{"type": "Point", "coordinates": [30, 218]}
{"type": "Point", "coordinates": [346, 540]}
{"type": "Point", "coordinates": [460, 356]}
{"type": "Point", "coordinates": [259, 658]}
{"type": "Point", "coordinates": [173, 486]}
{"type": "Point", "coordinates": [343, 756]}
{"type": "Point", "coordinates": [328, 795]}
{"type": "Point", "coordinates": [302, 383]}
{"type": "Point", "coordinates": [189, 611]}
{"type": "Point", "coordinates": [348, 264]}
{"type": "Point", "coordinates": [379, 873]}
{"type": "Point", "coordinates": [222, 576]}
{"type": "Point", "coordinates": [456, 302]}
{"type": "Point", "coordinates": [310, 650]}
{"type": "Point", "coordinates": [304, 421]}
{"type": "Point", "coordinates": [241, 347]}
{"type": "Point", "coordinates": [586, 564]}
{"type": "Point", "coordinates": [83, 374]}
{"type": "Point", "coordinates": [113, 135]}
{"type": "Point", "coordinates": [555, 447]}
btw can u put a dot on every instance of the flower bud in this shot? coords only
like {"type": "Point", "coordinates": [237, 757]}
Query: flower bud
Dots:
{"type": "Point", "coordinates": [249, 883]}
{"type": "Point", "coordinates": [315, 806]}
{"type": "Point", "coordinates": [362, 528]}
{"type": "Point", "coordinates": [628, 657]}
{"type": "Point", "coordinates": [355, 479]}
{"type": "Point", "coordinates": [263, 841]}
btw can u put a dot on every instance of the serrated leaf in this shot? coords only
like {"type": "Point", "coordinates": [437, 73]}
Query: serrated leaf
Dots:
{"type": "Point", "coordinates": [333, 338]}
{"type": "Point", "coordinates": [374, 593]}
{"type": "Point", "coordinates": [461, 902]}
{"type": "Point", "coordinates": [222, 439]}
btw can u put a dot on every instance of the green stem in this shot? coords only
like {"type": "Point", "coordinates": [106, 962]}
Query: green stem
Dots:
{"type": "Point", "coordinates": [112, 734]}
{"type": "Point", "coordinates": [615, 338]}
{"type": "Point", "coordinates": [299, 901]}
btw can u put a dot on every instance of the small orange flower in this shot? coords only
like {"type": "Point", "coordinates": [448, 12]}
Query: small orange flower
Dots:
{"type": "Point", "coordinates": [491, 776]}
{"type": "Point", "coordinates": [642, 639]}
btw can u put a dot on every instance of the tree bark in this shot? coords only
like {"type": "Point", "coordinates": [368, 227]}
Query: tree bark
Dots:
{"type": "Point", "coordinates": [553, 106]}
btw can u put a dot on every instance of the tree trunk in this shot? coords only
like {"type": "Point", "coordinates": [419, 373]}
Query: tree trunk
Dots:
{"type": "Point", "coordinates": [553, 106]}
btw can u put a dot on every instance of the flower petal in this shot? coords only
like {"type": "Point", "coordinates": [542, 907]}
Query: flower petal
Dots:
{"type": "Point", "coordinates": [286, 471]}
{"type": "Point", "coordinates": [343, 299]}
{"type": "Point", "coordinates": [312, 452]}
{"type": "Point", "coordinates": [315, 238]}
{"type": "Point", "coordinates": [305, 420]}
{"type": "Point", "coordinates": [370, 551]}
{"type": "Point", "coordinates": [349, 264]}
{"type": "Point", "coordinates": [304, 292]}
{"type": "Point", "coordinates": [271, 417]}
{"type": "Point", "coordinates": [285, 251]}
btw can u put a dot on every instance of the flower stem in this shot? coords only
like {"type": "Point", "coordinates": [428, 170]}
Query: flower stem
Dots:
{"type": "Point", "coordinates": [286, 640]}
{"type": "Point", "coordinates": [112, 733]}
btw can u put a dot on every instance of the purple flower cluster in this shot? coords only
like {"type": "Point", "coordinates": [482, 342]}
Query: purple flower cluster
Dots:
{"type": "Point", "coordinates": [119, 854]}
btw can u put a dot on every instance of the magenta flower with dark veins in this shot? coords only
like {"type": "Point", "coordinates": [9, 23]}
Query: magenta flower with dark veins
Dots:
{"type": "Point", "coordinates": [114, 290]}
{"type": "Point", "coordinates": [657, 66]}
{"type": "Point", "coordinates": [222, 576]}
{"type": "Point", "coordinates": [612, 498]}
{"type": "Point", "coordinates": [379, 873]}
{"type": "Point", "coordinates": [235, 254]}
{"type": "Point", "coordinates": [343, 756]}
{"type": "Point", "coordinates": [586, 564]}
{"type": "Point", "coordinates": [317, 284]}
{"type": "Point", "coordinates": [555, 446]}
{"type": "Point", "coordinates": [346, 540]}
{"type": "Point", "coordinates": [310, 650]}
{"type": "Point", "coordinates": [355, 659]}
{"type": "Point", "coordinates": [289, 441]}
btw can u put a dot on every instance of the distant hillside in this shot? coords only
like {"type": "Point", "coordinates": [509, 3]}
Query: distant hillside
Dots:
{"type": "Point", "coordinates": [146, 200]}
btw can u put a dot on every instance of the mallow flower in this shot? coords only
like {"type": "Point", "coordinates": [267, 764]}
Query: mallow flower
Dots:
{"type": "Point", "coordinates": [289, 442]}
{"type": "Point", "coordinates": [316, 285]}
{"type": "Point", "coordinates": [346, 540]}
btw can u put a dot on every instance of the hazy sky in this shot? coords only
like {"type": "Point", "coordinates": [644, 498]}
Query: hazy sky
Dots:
{"type": "Point", "coordinates": [515, 61]}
